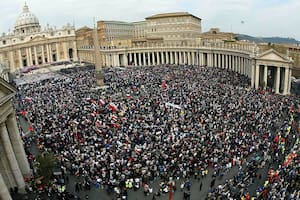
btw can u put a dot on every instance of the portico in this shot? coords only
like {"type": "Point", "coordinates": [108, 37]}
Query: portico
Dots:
{"type": "Point", "coordinates": [272, 70]}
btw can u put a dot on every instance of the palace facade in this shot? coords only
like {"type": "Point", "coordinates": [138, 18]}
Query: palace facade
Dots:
{"type": "Point", "coordinates": [31, 45]}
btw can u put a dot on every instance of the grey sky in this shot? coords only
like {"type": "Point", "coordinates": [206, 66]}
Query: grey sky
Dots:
{"type": "Point", "coordinates": [260, 17]}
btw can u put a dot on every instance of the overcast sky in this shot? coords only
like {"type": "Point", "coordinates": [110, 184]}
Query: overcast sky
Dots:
{"type": "Point", "coordinates": [253, 17]}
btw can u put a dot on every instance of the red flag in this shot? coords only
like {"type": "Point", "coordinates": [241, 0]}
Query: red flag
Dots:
{"type": "Point", "coordinates": [23, 113]}
{"type": "Point", "coordinates": [30, 129]}
{"type": "Point", "coordinates": [113, 107]}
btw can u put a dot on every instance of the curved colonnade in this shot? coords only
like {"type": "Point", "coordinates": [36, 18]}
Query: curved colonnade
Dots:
{"type": "Point", "coordinates": [239, 58]}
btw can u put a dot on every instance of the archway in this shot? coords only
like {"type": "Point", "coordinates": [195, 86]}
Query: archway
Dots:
{"type": "Point", "coordinates": [71, 54]}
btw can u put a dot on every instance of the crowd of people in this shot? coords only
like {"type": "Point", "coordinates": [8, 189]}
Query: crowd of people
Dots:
{"type": "Point", "coordinates": [166, 123]}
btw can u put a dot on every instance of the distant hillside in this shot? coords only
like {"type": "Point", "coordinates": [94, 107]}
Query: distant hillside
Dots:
{"type": "Point", "coordinates": [276, 40]}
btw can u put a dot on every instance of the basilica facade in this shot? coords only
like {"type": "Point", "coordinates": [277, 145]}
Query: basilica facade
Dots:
{"type": "Point", "coordinates": [31, 45]}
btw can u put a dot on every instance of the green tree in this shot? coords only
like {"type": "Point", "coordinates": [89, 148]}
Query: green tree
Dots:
{"type": "Point", "coordinates": [46, 163]}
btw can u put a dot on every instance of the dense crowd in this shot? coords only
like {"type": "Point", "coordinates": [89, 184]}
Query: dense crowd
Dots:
{"type": "Point", "coordinates": [165, 122]}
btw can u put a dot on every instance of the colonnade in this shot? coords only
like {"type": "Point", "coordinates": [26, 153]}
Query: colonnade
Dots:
{"type": "Point", "coordinates": [237, 62]}
{"type": "Point", "coordinates": [13, 161]}
{"type": "Point", "coordinates": [263, 70]}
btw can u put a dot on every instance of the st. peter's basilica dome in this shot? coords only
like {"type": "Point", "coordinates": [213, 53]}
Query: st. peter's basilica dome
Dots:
{"type": "Point", "coordinates": [27, 22]}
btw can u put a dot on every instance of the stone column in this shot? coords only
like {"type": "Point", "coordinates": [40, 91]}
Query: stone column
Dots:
{"type": "Point", "coordinates": [135, 59]}
{"type": "Point", "coordinates": [253, 75]}
{"type": "Point", "coordinates": [214, 60]}
{"type": "Point", "coordinates": [157, 58]}
{"type": "Point", "coordinates": [57, 52]}
{"type": "Point", "coordinates": [193, 58]}
{"type": "Point", "coordinates": [163, 57]}
{"type": "Point", "coordinates": [208, 59]}
{"type": "Point", "coordinates": [148, 54]}
{"type": "Point", "coordinates": [125, 62]}
{"type": "Point", "coordinates": [235, 63]}
{"type": "Point", "coordinates": [219, 60]}
{"type": "Point", "coordinates": [202, 59]}
{"type": "Point", "coordinates": [180, 58]}
{"type": "Point", "coordinates": [130, 58]}
{"type": "Point", "coordinates": [113, 60]}
{"type": "Point", "coordinates": [50, 54]}
{"type": "Point", "coordinates": [66, 56]}
{"type": "Point", "coordinates": [150, 58]}
{"type": "Point", "coordinates": [189, 58]}
{"type": "Point", "coordinates": [154, 61]}
{"type": "Point", "coordinates": [4, 193]}
{"type": "Point", "coordinates": [222, 60]}
{"type": "Point", "coordinates": [286, 80]}
{"type": "Point", "coordinates": [184, 58]}
{"type": "Point", "coordinates": [231, 63]}
{"type": "Point", "coordinates": [117, 62]}
{"type": "Point", "coordinates": [239, 64]}
{"type": "Point", "coordinates": [176, 58]}
{"type": "Point", "coordinates": [238, 67]}
{"type": "Point", "coordinates": [35, 56]}
{"type": "Point", "coordinates": [257, 76]}
{"type": "Point", "coordinates": [265, 76]}
{"type": "Point", "coordinates": [27, 56]}
{"type": "Point", "coordinates": [11, 157]}
{"type": "Point", "coordinates": [75, 55]}
{"type": "Point", "coordinates": [43, 55]}
{"type": "Point", "coordinates": [17, 144]}
{"type": "Point", "coordinates": [166, 57]}
{"type": "Point", "coordinates": [196, 58]}
{"type": "Point", "coordinates": [47, 53]}
{"type": "Point", "coordinates": [7, 174]}
{"type": "Point", "coordinates": [160, 57]}
{"type": "Point", "coordinates": [20, 59]}
{"type": "Point", "coordinates": [242, 65]}
{"type": "Point", "coordinates": [277, 81]}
